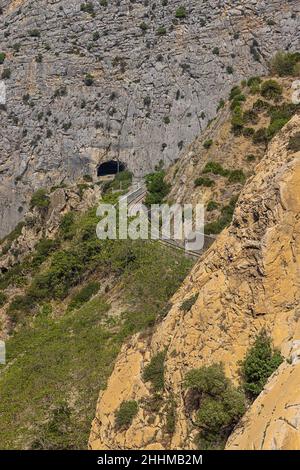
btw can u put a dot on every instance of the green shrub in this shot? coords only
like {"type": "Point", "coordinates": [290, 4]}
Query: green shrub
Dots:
{"type": "Point", "coordinates": [88, 79]}
{"type": "Point", "coordinates": [157, 188]}
{"type": "Point", "coordinates": [40, 199]}
{"type": "Point", "coordinates": [294, 143]}
{"type": "Point", "coordinates": [248, 132]}
{"type": "Point", "coordinates": [236, 176]}
{"type": "Point", "coordinates": [206, 182]}
{"type": "Point", "coordinates": [87, 7]}
{"type": "Point", "coordinates": [275, 127]}
{"type": "Point", "coordinates": [251, 116]}
{"type": "Point", "coordinates": [229, 70]}
{"type": "Point", "coordinates": [84, 295]}
{"type": "Point", "coordinates": [208, 143]}
{"type": "Point", "coordinates": [280, 115]}
{"type": "Point", "coordinates": [211, 206]}
{"type": "Point", "coordinates": [253, 81]}
{"type": "Point", "coordinates": [216, 51]}
{"type": "Point", "coordinates": [154, 371]}
{"type": "Point", "coordinates": [50, 435]}
{"type": "Point", "coordinates": [125, 414]}
{"type": "Point", "coordinates": [271, 89]}
{"type": "Point", "coordinates": [237, 120]}
{"type": "Point", "coordinates": [161, 31]}
{"type": "Point", "coordinates": [223, 221]}
{"type": "Point", "coordinates": [254, 84]}
{"type": "Point", "coordinates": [215, 168]}
{"type": "Point", "coordinates": [260, 136]}
{"type": "Point", "coordinates": [221, 104]}
{"type": "Point", "coordinates": [250, 157]}
{"type": "Point", "coordinates": [2, 57]}
{"type": "Point", "coordinates": [153, 403]}
{"type": "Point", "coordinates": [260, 105]}
{"type": "Point", "coordinates": [43, 249]}
{"type": "Point", "coordinates": [147, 101]}
{"type": "Point", "coordinates": [259, 364]}
{"type": "Point", "coordinates": [237, 100]}
{"type": "Point", "coordinates": [235, 91]}
{"type": "Point", "coordinates": [181, 12]}
{"type": "Point", "coordinates": [143, 26]}
{"type": "Point", "coordinates": [87, 178]}
{"type": "Point", "coordinates": [285, 63]}
{"type": "Point", "coordinates": [19, 307]}
{"type": "Point", "coordinates": [121, 181]}
{"type": "Point", "coordinates": [188, 303]}
{"type": "Point", "coordinates": [221, 405]}
{"type": "Point", "coordinates": [67, 226]}
{"type": "Point", "coordinates": [3, 299]}
{"type": "Point", "coordinates": [34, 33]}
{"type": "Point", "coordinates": [65, 271]}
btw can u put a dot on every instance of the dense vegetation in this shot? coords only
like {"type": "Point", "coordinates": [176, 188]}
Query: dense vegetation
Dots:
{"type": "Point", "coordinates": [125, 414]}
{"type": "Point", "coordinates": [157, 188]}
{"type": "Point", "coordinates": [260, 362]}
{"type": "Point", "coordinates": [286, 63]}
{"type": "Point", "coordinates": [223, 220]}
{"type": "Point", "coordinates": [154, 371]}
{"type": "Point", "coordinates": [66, 340]}
{"type": "Point", "coordinates": [283, 64]}
{"type": "Point", "coordinates": [121, 182]}
{"type": "Point", "coordinates": [217, 403]}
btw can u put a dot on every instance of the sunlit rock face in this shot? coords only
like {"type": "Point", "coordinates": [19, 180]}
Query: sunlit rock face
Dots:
{"type": "Point", "coordinates": [247, 281]}
{"type": "Point", "coordinates": [126, 80]}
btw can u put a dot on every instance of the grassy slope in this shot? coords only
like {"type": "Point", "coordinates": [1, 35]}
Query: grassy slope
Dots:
{"type": "Point", "coordinates": [58, 363]}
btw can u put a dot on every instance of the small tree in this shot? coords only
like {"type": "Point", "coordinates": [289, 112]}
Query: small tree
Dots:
{"type": "Point", "coordinates": [40, 199]}
{"type": "Point", "coordinates": [154, 371]}
{"type": "Point", "coordinates": [285, 63]}
{"type": "Point", "coordinates": [259, 364]}
{"type": "Point", "coordinates": [219, 405]}
{"type": "Point", "coordinates": [125, 414]}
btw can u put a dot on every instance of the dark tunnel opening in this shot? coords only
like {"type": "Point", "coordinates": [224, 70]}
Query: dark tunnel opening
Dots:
{"type": "Point", "coordinates": [112, 167]}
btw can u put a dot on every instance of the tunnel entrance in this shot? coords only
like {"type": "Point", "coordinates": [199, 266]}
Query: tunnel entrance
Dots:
{"type": "Point", "coordinates": [112, 167]}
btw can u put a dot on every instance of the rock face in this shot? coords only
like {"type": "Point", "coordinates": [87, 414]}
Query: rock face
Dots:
{"type": "Point", "coordinates": [157, 80]}
{"type": "Point", "coordinates": [248, 280]}
{"type": "Point", "coordinates": [40, 224]}
{"type": "Point", "coordinates": [273, 421]}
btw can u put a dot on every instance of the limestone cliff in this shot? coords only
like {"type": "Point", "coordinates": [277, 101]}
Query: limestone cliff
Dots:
{"type": "Point", "coordinates": [272, 422]}
{"type": "Point", "coordinates": [135, 81]}
{"type": "Point", "coordinates": [249, 279]}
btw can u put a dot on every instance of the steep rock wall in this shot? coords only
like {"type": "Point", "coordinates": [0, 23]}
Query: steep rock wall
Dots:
{"type": "Point", "coordinates": [157, 82]}
{"type": "Point", "coordinates": [248, 280]}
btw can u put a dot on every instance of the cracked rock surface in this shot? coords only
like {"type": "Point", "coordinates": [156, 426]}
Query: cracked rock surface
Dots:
{"type": "Point", "coordinates": [156, 82]}
{"type": "Point", "coordinates": [248, 280]}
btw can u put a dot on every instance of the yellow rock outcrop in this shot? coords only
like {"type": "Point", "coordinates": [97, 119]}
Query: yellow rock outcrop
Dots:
{"type": "Point", "coordinates": [248, 280]}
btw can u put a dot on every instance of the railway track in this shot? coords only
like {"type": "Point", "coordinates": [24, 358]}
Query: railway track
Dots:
{"type": "Point", "coordinates": [136, 197]}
